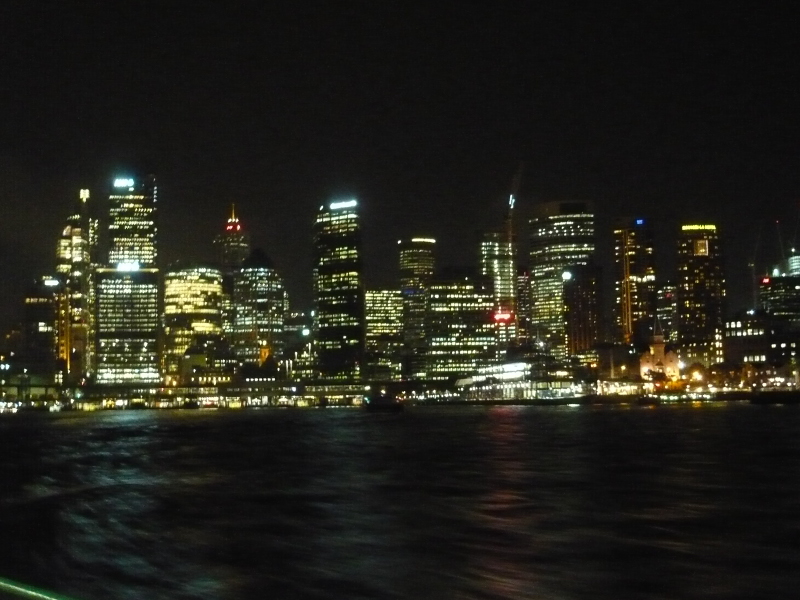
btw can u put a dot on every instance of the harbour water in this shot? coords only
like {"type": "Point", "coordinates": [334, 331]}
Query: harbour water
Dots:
{"type": "Point", "coordinates": [467, 502]}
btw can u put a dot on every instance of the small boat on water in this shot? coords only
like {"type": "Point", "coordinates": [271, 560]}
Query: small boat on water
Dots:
{"type": "Point", "coordinates": [382, 401]}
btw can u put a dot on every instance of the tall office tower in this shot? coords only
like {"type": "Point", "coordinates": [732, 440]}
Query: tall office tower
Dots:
{"type": "Point", "coordinates": [779, 297]}
{"type": "Point", "coordinates": [460, 325]}
{"type": "Point", "coordinates": [667, 310]}
{"type": "Point", "coordinates": [338, 292]}
{"type": "Point", "coordinates": [127, 290]}
{"type": "Point", "coordinates": [127, 325]}
{"type": "Point", "coordinates": [40, 324]}
{"type": "Point", "coordinates": [232, 246]}
{"type": "Point", "coordinates": [523, 304]}
{"type": "Point", "coordinates": [700, 295]}
{"type": "Point", "coordinates": [259, 310]}
{"type": "Point", "coordinates": [562, 237]}
{"type": "Point", "coordinates": [582, 302]}
{"type": "Point", "coordinates": [416, 269]}
{"type": "Point", "coordinates": [132, 222]}
{"type": "Point", "coordinates": [192, 311]}
{"type": "Point", "coordinates": [498, 264]}
{"type": "Point", "coordinates": [384, 335]}
{"type": "Point", "coordinates": [634, 281]}
{"type": "Point", "coordinates": [76, 261]}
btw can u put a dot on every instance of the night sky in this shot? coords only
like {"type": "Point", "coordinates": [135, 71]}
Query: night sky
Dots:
{"type": "Point", "coordinates": [422, 112]}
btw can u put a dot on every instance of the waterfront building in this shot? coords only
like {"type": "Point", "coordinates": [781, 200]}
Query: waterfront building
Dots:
{"type": "Point", "coordinates": [460, 325]}
{"type": "Point", "coordinates": [127, 325]}
{"type": "Point", "coordinates": [338, 291]}
{"type": "Point", "coordinates": [562, 238]}
{"type": "Point", "coordinates": [384, 335]}
{"type": "Point", "coordinates": [192, 310]}
{"type": "Point", "coordinates": [76, 258]}
{"type": "Point", "coordinates": [634, 281]}
{"type": "Point", "coordinates": [759, 337]}
{"type": "Point", "coordinates": [582, 308]}
{"type": "Point", "coordinates": [259, 308]}
{"type": "Point", "coordinates": [417, 262]}
{"type": "Point", "coordinates": [700, 294]}
{"type": "Point", "coordinates": [659, 364]}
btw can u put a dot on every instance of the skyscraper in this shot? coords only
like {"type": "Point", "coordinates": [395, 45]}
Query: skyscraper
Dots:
{"type": "Point", "coordinates": [127, 325]}
{"type": "Point", "coordinates": [76, 262]}
{"type": "Point", "coordinates": [338, 291]}
{"type": "Point", "coordinates": [384, 334]}
{"type": "Point", "coordinates": [41, 319]}
{"type": "Point", "coordinates": [582, 302]}
{"type": "Point", "coordinates": [128, 288]}
{"type": "Point", "coordinates": [192, 309]}
{"type": "Point", "coordinates": [232, 246]}
{"type": "Point", "coordinates": [417, 262]}
{"type": "Point", "coordinates": [498, 264]}
{"type": "Point", "coordinates": [634, 280]}
{"type": "Point", "coordinates": [700, 294]}
{"type": "Point", "coordinates": [132, 222]}
{"type": "Point", "coordinates": [259, 310]}
{"type": "Point", "coordinates": [562, 237]}
{"type": "Point", "coordinates": [460, 325]}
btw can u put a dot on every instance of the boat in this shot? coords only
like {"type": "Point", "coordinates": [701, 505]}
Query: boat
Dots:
{"type": "Point", "coordinates": [382, 401]}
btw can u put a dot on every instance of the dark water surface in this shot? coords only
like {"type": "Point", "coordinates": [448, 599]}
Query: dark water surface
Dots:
{"type": "Point", "coordinates": [452, 502]}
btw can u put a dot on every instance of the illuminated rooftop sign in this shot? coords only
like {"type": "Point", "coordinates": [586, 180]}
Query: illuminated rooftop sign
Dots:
{"type": "Point", "coordinates": [51, 282]}
{"type": "Point", "coordinates": [423, 240]}
{"type": "Point", "coordinates": [343, 204]}
{"type": "Point", "coordinates": [123, 183]}
{"type": "Point", "coordinates": [698, 228]}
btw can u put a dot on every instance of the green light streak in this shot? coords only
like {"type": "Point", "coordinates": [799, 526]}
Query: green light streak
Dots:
{"type": "Point", "coordinates": [26, 591]}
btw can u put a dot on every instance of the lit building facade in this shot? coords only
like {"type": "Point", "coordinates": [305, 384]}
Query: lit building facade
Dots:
{"type": "Point", "coordinates": [132, 222]}
{"type": "Point", "coordinates": [192, 312]}
{"type": "Point", "coordinates": [338, 293]}
{"type": "Point", "coordinates": [127, 293]}
{"type": "Point", "coordinates": [562, 237]}
{"type": "Point", "coordinates": [634, 281]}
{"type": "Point", "coordinates": [460, 326]}
{"type": "Point", "coordinates": [417, 263]}
{"type": "Point", "coordinates": [498, 262]}
{"type": "Point", "coordinates": [76, 258]}
{"type": "Point", "coordinates": [523, 305]}
{"type": "Point", "coordinates": [259, 311]}
{"type": "Point", "coordinates": [384, 335]}
{"type": "Point", "coordinates": [127, 325]}
{"type": "Point", "coordinates": [667, 310]}
{"type": "Point", "coordinates": [700, 295]}
{"type": "Point", "coordinates": [779, 297]}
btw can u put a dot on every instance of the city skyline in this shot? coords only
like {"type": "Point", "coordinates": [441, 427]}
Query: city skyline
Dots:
{"type": "Point", "coordinates": [423, 114]}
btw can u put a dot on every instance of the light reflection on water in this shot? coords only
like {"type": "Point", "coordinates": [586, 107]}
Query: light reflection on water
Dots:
{"type": "Point", "coordinates": [467, 503]}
